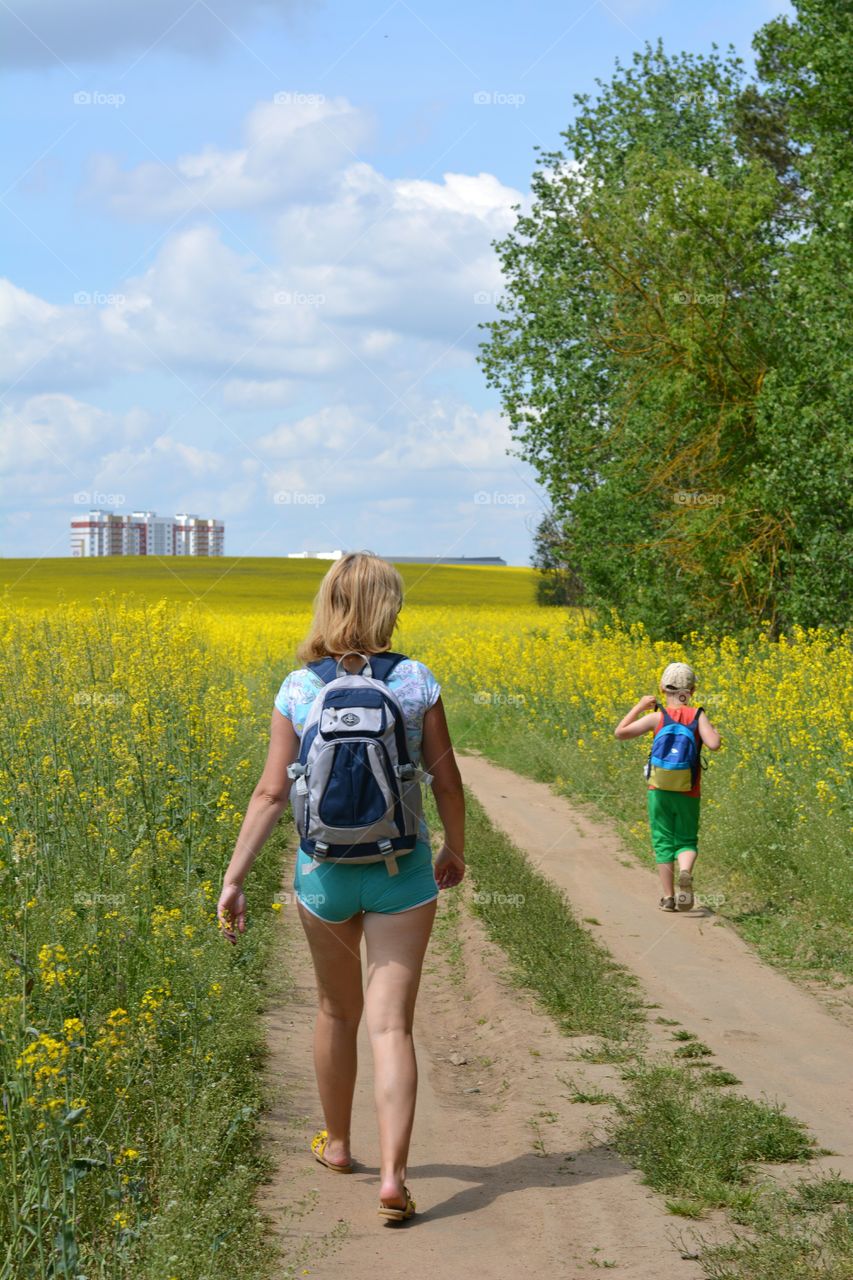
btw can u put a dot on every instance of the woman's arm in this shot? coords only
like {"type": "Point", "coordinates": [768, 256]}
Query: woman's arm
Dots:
{"type": "Point", "coordinates": [268, 801]}
{"type": "Point", "coordinates": [439, 760]}
{"type": "Point", "coordinates": [628, 727]}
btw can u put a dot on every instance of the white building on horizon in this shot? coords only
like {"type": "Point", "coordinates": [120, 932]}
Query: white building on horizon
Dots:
{"type": "Point", "coordinates": [314, 555]}
{"type": "Point", "coordinates": [495, 561]}
{"type": "Point", "coordinates": [144, 533]}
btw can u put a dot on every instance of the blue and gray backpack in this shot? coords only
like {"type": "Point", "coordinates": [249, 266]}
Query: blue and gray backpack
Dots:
{"type": "Point", "coordinates": [675, 757]}
{"type": "Point", "coordinates": [356, 795]}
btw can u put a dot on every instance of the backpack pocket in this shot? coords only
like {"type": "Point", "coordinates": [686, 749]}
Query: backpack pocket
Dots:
{"type": "Point", "coordinates": [351, 713]}
{"type": "Point", "coordinates": [358, 791]}
{"type": "Point", "coordinates": [674, 758]}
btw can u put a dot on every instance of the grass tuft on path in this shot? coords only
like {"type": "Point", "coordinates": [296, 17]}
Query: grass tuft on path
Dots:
{"type": "Point", "coordinates": [804, 1234]}
{"type": "Point", "coordinates": [697, 1143]}
{"type": "Point", "coordinates": [550, 952]}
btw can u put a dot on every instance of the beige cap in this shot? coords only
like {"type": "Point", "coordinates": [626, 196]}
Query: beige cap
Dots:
{"type": "Point", "coordinates": [677, 677]}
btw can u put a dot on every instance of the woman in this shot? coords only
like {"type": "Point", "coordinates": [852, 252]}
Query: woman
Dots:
{"type": "Point", "coordinates": [355, 612]}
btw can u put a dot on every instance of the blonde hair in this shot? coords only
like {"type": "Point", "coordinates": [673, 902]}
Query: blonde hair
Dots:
{"type": "Point", "coordinates": [355, 607]}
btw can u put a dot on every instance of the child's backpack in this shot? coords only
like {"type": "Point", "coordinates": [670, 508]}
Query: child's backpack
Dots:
{"type": "Point", "coordinates": [675, 757]}
{"type": "Point", "coordinates": [356, 795]}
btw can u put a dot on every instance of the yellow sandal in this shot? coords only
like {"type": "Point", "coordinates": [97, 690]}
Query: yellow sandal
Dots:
{"type": "Point", "coordinates": [318, 1146]}
{"type": "Point", "coordinates": [395, 1214]}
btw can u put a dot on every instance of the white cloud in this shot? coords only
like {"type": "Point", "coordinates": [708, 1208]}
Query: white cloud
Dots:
{"type": "Point", "coordinates": [46, 345]}
{"type": "Point", "coordinates": [36, 33]}
{"type": "Point", "coordinates": [294, 147]}
{"type": "Point", "coordinates": [54, 431]}
{"type": "Point", "coordinates": [333, 427]}
{"type": "Point", "coordinates": [449, 436]}
{"type": "Point", "coordinates": [384, 276]}
{"type": "Point", "coordinates": [202, 306]}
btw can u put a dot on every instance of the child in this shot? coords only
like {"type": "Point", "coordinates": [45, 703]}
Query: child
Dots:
{"type": "Point", "coordinates": [673, 815]}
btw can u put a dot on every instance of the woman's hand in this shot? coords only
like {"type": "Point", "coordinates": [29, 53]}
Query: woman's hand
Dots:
{"type": "Point", "coordinates": [231, 911]}
{"type": "Point", "coordinates": [449, 868]}
{"type": "Point", "coordinates": [647, 701]}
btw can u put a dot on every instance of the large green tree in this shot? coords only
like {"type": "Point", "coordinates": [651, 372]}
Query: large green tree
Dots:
{"type": "Point", "coordinates": [805, 410]}
{"type": "Point", "coordinates": [639, 335]}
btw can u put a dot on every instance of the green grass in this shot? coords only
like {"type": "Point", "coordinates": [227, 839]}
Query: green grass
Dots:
{"type": "Point", "coordinates": [550, 952]}
{"type": "Point", "coordinates": [719, 1077]}
{"type": "Point", "coordinates": [693, 1049]}
{"type": "Point", "coordinates": [696, 1144]}
{"type": "Point", "coordinates": [768, 873]}
{"type": "Point", "coordinates": [803, 1234]}
{"type": "Point", "coordinates": [591, 1097]}
{"type": "Point", "coordinates": [237, 583]}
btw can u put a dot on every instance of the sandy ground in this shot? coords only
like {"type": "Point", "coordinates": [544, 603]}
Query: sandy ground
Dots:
{"type": "Point", "coordinates": [511, 1177]}
{"type": "Point", "coordinates": [775, 1036]}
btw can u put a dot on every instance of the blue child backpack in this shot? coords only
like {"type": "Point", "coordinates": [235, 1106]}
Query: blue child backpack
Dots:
{"type": "Point", "coordinates": [675, 757]}
{"type": "Point", "coordinates": [356, 796]}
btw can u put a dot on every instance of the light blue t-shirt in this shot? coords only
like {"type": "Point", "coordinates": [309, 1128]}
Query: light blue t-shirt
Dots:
{"type": "Point", "coordinates": [413, 683]}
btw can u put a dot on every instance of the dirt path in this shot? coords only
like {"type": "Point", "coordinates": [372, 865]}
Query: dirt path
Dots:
{"type": "Point", "coordinates": [773, 1035]}
{"type": "Point", "coordinates": [508, 1174]}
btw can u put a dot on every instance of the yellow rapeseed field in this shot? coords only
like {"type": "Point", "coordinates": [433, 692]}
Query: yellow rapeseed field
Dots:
{"type": "Point", "coordinates": [130, 738]}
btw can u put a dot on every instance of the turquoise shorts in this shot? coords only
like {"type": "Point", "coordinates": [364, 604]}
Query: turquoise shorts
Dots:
{"type": "Point", "coordinates": [336, 892]}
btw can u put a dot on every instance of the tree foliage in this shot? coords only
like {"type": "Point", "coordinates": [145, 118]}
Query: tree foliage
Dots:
{"type": "Point", "coordinates": [656, 353]}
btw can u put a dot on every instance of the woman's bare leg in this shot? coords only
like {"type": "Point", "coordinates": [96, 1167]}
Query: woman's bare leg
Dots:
{"type": "Point", "coordinates": [336, 952]}
{"type": "Point", "coordinates": [396, 945]}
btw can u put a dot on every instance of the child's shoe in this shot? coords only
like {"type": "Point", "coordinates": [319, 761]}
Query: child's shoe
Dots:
{"type": "Point", "coordinates": [667, 904]}
{"type": "Point", "coordinates": [684, 895]}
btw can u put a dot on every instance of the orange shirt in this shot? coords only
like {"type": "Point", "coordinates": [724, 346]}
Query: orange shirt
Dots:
{"type": "Point", "coordinates": [684, 714]}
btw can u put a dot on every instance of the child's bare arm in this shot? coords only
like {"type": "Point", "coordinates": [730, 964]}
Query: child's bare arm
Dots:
{"type": "Point", "coordinates": [709, 735]}
{"type": "Point", "coordinates": [628, 727]}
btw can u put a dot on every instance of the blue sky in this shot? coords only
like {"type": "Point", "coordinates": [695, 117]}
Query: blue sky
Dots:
{"type": "Point", "coordinates": [247, 245]}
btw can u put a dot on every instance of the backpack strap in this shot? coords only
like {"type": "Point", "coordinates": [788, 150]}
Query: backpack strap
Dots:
{"type": "Point", "coordinates": [381, 666]}
{"type": "Point", "coordinates": [325, 668]}
{"type": "Point", "coordinates": [702, 760]}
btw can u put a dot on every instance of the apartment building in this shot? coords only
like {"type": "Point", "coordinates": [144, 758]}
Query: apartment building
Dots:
{"type": "Point", "coordinates": [144, 533]}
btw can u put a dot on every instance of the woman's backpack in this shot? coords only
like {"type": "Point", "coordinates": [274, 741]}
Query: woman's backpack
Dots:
{"type": "Point", "coordinates": [675, 757]}
{"type": "Point", "coordinates": [356, 795]}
